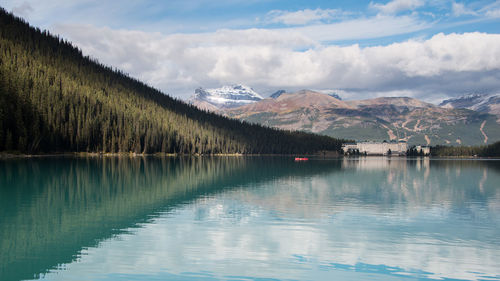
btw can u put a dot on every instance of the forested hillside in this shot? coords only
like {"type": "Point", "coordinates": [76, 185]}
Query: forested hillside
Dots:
{"type": "Point", "coordinates": [492, 150]}
{"type": "Point", "coordinates": [55, 99]}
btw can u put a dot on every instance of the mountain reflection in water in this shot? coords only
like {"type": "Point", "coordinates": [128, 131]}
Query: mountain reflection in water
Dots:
{"type": "Point", "coordinates": [246, 218]}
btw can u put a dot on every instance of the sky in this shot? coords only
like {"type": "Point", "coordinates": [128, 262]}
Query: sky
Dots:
{"type": "Point", "coordinates": [427, 49]}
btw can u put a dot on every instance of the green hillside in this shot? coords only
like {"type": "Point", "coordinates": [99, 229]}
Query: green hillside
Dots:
{"type": "Point", "coordinates": [55, 99]}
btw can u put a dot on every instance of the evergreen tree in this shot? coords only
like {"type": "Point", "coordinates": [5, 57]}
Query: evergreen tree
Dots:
{"type": "Point", "coordinates": [54, 99]}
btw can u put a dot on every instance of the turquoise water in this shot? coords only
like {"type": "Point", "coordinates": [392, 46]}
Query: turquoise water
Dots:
{"type": "Point", "coordinates": [249, 219]}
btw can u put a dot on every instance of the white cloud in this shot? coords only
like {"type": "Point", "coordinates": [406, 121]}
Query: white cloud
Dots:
{"type": "Point", "coordinates": [295, 57]}
{"type": "Point", "coordinates": [493, 14]}
{"type": "Point", "coordinates": [363, 28]}
{"type": "Point", "coordinates": [442, 53]}
{"type": "Point", "coordinates": [302, 16]}
{"type": "Point", "coordinates": [459, 9]}
{"type": "Point", "coordinates": [492, 10]}
{"type": "Point", "coordinates": [23, 9]}
{"type": "Point", "coordinates": [270, 59]}
{"type": "Point", "coordinates": [396, 6]}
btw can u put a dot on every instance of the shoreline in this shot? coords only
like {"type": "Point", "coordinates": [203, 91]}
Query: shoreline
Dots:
{"type": "Point", "coordinates": [129, 154]}
{"type": "Point", "coordinates": [11, 155]}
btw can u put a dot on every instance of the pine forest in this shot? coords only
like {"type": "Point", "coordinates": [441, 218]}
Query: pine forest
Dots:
{"type": "Point", "coordinates": [55, 99]}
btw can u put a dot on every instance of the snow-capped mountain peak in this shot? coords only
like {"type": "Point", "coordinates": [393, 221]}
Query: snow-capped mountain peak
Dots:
{"type": "Point", "coordinates": [226, 96]}
{"type": "Point", "coordinates": [488, 103]}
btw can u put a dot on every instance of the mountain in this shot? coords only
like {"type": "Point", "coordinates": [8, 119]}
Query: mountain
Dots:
{"type": "Point", "coordinates": [224, 97]}
{"type": "Point", "coordinates": [54, 99]}
{"type": "Point", "coordinates": [276, 94]}
{"type": "Point", "coordinates": [387, 118]}
{"type": "Point", "coordinates": [488, 103]}
{"type": "Point", "coordinates": [335, 96]}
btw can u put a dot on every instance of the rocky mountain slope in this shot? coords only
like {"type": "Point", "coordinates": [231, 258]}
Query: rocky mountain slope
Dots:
{"type": "Point", "coordinates": [372, 119]}
{"type": "Point", "coordinates": [488, 103]}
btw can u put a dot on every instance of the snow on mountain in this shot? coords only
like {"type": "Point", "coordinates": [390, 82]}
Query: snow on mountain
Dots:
{"type": "Point", "coordinates": [226, 96]}
{"type": "Point", "coordinates": [488, 103]}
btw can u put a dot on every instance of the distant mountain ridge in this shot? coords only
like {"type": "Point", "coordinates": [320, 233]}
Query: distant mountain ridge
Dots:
{"type": "Point", "coordinates": [276, 94]}
{"type": "Point", "coordinates": [488, 103]}
{"type": "Point", "coordinates": [385, 118]}
{"type": "Point", "coordinates": [335, 96]}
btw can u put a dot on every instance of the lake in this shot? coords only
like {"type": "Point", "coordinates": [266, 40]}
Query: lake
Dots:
{"type": "Point", "coordinates": [249, 218]}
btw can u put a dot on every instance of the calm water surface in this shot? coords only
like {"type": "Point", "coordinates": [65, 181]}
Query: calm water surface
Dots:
{"type": "Point", "coordinates": [249, 219]}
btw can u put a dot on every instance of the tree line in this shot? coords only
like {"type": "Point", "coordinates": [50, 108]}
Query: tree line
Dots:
{"type": "Point", "coordinates": [55, 99]}
{"type": "Point", "coordinates": [492, 150]}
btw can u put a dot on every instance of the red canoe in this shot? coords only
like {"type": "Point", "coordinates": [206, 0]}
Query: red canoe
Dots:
{"type": "Point", "coordinates": [301, 159]}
